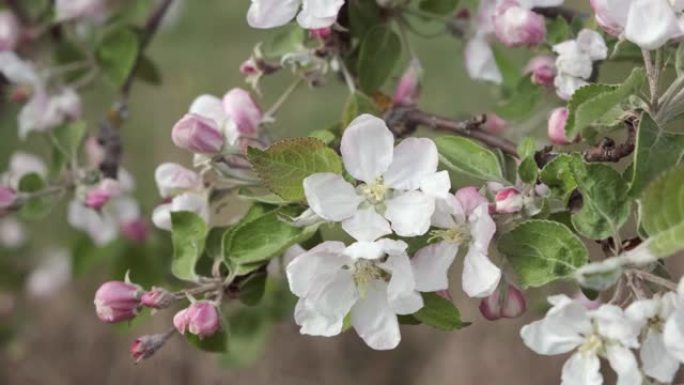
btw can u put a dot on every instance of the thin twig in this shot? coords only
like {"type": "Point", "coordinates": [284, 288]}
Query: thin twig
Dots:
{"type": "Point", "coordinates": [650, 277]}
{"type": "Point", "coordinates": [608, 151]}
{"type": "Point", "coordinates": [282, 99]}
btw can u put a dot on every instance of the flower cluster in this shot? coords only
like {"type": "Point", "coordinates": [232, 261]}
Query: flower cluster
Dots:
{"type": "Point", "coordinates": [575, 61]}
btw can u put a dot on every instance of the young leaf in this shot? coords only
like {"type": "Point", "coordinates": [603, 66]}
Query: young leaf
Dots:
{"type": "Point", "coordinates": [440, 7]}
{"type": "Point", "coordinates": [662, 212]}
{"type": "Point", "coordinates": [38, 207]}
{"type": "Point", "coordinates": [380, 53]}
{"type": "Point", "coordinates": [469, 157]}
{"type": "Point", "coordinates": [188, 237]}
{"type": "Point", "coordinates": [656, 151]}
{"type": "Point", "coordinates": [117, 53]}
{"type": "Point", "coordinates": [439, 312]}
{"type": "Point", "coordinates": [528, 170]}
{"type": "Point", "coordinates": [283, 166]}
{"type": "Point", "coordinates": [285, 40]}
{"type": "Point", "coordinates": [363, 15]}
{"type": "Point", "coordinates": [542, 251]}
{"type": "Point", "coordinates": [558, 175]}
{"type": "Point", "coordinates": [527, 147]}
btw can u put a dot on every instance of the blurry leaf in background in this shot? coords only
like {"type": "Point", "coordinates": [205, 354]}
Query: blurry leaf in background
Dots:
{"type": "Point", "coordinates": [379, 55]}
{"type": "Point", "coordinates": [35, 207]}
{"type": "Point", "coordinates": [117, 53]}
{"type": "Point", "coordinates": [662, 212]}
{"type": "Point", "coordinates": [358, 104]}
{"type": "Point", "coordinates": [441, 7]}
{"type": "Point", "coordinates": [188, 237]}
{"type": "Point", "coordinates": [66, 140]}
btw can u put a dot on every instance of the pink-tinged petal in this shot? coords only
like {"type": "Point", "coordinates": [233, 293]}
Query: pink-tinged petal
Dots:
{"type": "Point", "coordinates": [470, 198]}
{"type": "Point", "coordinates": [10, 31]}
{"type": "Point", "coordinates": [374, 320]}
{"type": "Point", "coordinates": [517, 26]}
{"type": "Point", "coordinates": [173, 179]}
{"type": "Point", "coordinates": [514, 304]}
{"type": "Point", "coordinates": [242, 110]}
{"type": "Point", "coordinates": [410, 213]}
{"type": "Point", "coordinates": [180, 321]}
{"type": "Point", "coordinates": [556, 126]}
{"type": "Point", "coordinates": [331, 197]}
{"type": "Point", "coordinates": [431, 266]}
{"type": "Point", "coordinates": [582, 368]}
{"type": "Point", "coordinates": [367, 148]}
{"type": "Point", "coordinates": [271, 13]}
{"type": "Point", "coordinates": [542, 70]}
{"type": "Point", "coordinates": [408, 88]}
{"type": "Point", "coordinates": [197, 134]}
{"type": "Point", "coordinates": [366, 225]}
{"type": "Point", "coordinates": [210, 107]}
{"type": "Point", "coordinates": [480, 276]}
{"type": "Point", "coordinates": [401, 293]}
{"type": "Point", "coordinates": [508, 200]}
{"type": "Point", "coordinates": [651, 23]}
{"type": "Point", "coordinates": [611, 15]}
{"type": "Point", "coordinates": [414, 159]}
{"type": "Point", "coordinates": [480, 62]}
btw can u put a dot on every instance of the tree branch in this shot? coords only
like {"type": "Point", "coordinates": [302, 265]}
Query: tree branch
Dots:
{"type": "Point", "coordinates": [405, 121]}
{"type": "Point", "coordinates": [608, 151]}
{"type": "Point", "coordinates": [109, 135]}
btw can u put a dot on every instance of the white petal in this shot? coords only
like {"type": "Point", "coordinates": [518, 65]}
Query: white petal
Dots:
{"type": "Point", "coordinates": [470, 198]}
{"type": "Point", "coordinates": [612, 323]}
{"type": "Point", "coordinates": [431, 266]}
{"type": "Point", "coordinates": [318, 264]}
{"type": "Point", "coordinates": [573, 60]}
{"type": "Point", "coordinates": [374, 320]}
{"type": "Point", "coordinates": [561, 329]}
{"type": "Point", "coordinates": [641, 311]}
{"type": "Point", "coordinates": [391, 246]}
{"type": "Point", "coordinates": [319, 13]}
{"type": "Point", "coordinates": [401, 293]}
{"type": "Point", "coordinates": [161, 216]}
{"type": "Point", "coordinates": [101, 228]}
{"type": "Point", "coordinates": [18, 71]}
{"type": "Point", "coordinates": [364, 250]}
{"type": "Point", "coordinates": [448, 213]}
{"type": "Point", "coordinates": [410, 213]}
{"type": "Point", "coordinates": [651, 23]}
{"type": "Point", "coordinates": [436, 184]}
{"type": "Point", "coordinates": [582, 369]}
{"type": "Point", "coordinates": [366, 225]}
{"type": "Point", "coordinates": [330, 196]}
{"type": "Point", "coordinates": [414, 159]}
{"type": "Point", "coordinates": [673, 334]}
{"type": "Point", "coordinates": [367, 147]}
{"type": "Point", "coordinates": [210, 107]}
{"type": "Point", "coordinates": [566, 85]}
{"type": "Point", "coordinates": [480, 62]}
{"type": "Point", "coordinates": [624, 363]}
{"type": "Point", "coordinates": [592, 43]}
{"type": "Point", "coordinates": [271, 13]}
{"type": "Point", "coordinates": [529, 4]}
{"type": "Point", "coordinates": [655, 360]}
{"type": "Point", "coordinates": [316, 324]}
{"type": "Point", "coordinates": [480, 276]}
{"type": "Point", "coordinates": [482, 228]}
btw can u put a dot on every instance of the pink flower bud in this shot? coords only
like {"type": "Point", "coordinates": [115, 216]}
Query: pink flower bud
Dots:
{"type": "Point", "coordinates": [542, 70]}
{"type": "Point", "coordinates": [197, 134]}
{"type": "Point", "coordinates": [243, 110]}
{"type": "Point", "coordinates": [135, 230]}
{"type": "Point", "coordinates": [610, 15]}
{"type": "Point", "coordinates": [101, 194]}
{"type": "Point", "coordinates": [507, 302]}
{"type": "Point", "coordinates": [495, 125]}
{"type": "Point", "coordinates": [556, 128]}
{"type": "Point", "coordinates": [320, 33]}
{"type": "Point", "coordinates": [173, 179]}
{"type": "Point", "coordinates": [516, 26]}
{"type": "Point", "coordinates": [249, 67]}
{"type": "Point", "coordinates": [508, 200]}
{"type": "Point", "coordinates": [408, 89]}
{"type": "Point", "coordinates": [10, 31]}
{"type": "Point", "coordinates": [117, 301]}
{"type": "Point", "coordinates": [7, 197]}
{"type": "Point", "coordinates": [200, 318]}
{"type": "Point", "coordinates": [157, 298]}
{"type": "Point", "coordinates": [145, 346]}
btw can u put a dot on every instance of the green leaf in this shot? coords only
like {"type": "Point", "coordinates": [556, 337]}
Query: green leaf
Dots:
{"type": "Point", "coordinates": [521, 103]}
{"type": "Point", "coordinates": [557, 30]}
{"type": "Point", "coordinates": [662, 212]}
{"type": "Point", "coordinates": [216, 343]}
{"type": "Point", "coordinates": [324, 136]}
{"type": "Point", "coordinates": [66, 140]}
{"type": "Point", "coordinates": [379, 55]}
{"type": "Point", "coordinates": [285, 40]}
{"type": "Point", "coordinates": [188, 237]}
{"type": "Point", "coordinates": [656, 151]}
{"type": "Point", "coordinates": [679, 60]}
{"type": "Point", "coordinates": [260, 195]}
{"type": "Point", "coordinates": [37, 207]}
{"type": "Point", "coordinates": [527, 147]}
{"type": "Point", "coordinates": [605, 205]}
{"type": "Point", "coordinates": [117, 53]}
{"type": "Point", "coordinates": [363, 15]}
{"type": "Point", "coordinates": [285, 164]}
{"type": "Point", "coordinates": [440, 7]}
{"type": "Point", "coordinates": [542, 251]}
{"type": "Point", "coordinates": [591, 103]}
{"type": "Point", "coordinates": [439, 312]}
{"type": "Point", "coordinates": [252, 288]}
{"type": "Point", "coordinates": [148, 72]}
{"type": "Point", "coordinates": [510, 72]}
{"type": "Point", "coordinates": [528, 170]}
{"type": "Point", "coordinates": [558, 175]}
{"type": "Point", "coordinates": [357, 104]}
{"type": "Point", "coordinates": [470, 157]}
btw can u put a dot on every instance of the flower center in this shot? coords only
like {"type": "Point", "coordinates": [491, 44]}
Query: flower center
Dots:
{"type": "Point", "coordinates": [592, 344]}
{"type": "Point", "coordinates": [656, 323]}
{"type": "Point", "coordinates": [374, 192]}
{"type": "Point", "coordinates": [366, 271]}
{"type": "Point", "coordinates": [459, 234]}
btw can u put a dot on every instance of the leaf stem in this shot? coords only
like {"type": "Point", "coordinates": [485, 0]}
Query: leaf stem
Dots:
{"type": "Point", "coordinates": [282, 99]}
{"type": "Point", "coordinates": [652, 74]}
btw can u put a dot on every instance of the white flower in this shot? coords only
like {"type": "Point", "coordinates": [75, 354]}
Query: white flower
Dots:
{"type": "Point", "coordinates": [575, 60]}
{"type": "Point", "coordinates": [94, 10]}
{"type": "Point", "coordinates": [604, 332]}
{"type": "Point", "coordinates": [275, 13]}
{"type": "Point", "coordinates": [194, 202]}
{"type": "Point", "coordinates": [371, 280]}
{"type": "Point", "coordinates": [102, 226]}
{"type": "Point", "coordinates": [398, 184]}
{"type": "Point", "coordinates": [21, 164]}
{"type": "Point", "coordinates": [651, 314]}
{"type": "Point", "coordinates": [173, 179]}
{"type": "Point", "coordinates": [52, 272]}
{"type": "Point", "coordinates": [462, 219]}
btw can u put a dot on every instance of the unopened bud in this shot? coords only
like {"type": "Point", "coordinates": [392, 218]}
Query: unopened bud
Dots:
{"type": "Point", "coordinates": [101, 194]}
{"type": "Point", "coordinates": [10, 31]}
{"type": "Point", "coordinates": [408, 89]}
{"type": "Point", "coordinates": [556, 126]}
{"type": "Point", "coordinates": [508, 200]}
{"type": "Point", "coordinates": [610, 16]}
{"type": "Point", "coordinates": [173, 179]}
{"type": "Point", "coordinates": [200, 318]}
{"type": "Point", "coordinates": [320, 33]}
{"type": "Point", "coordinates": [250, 67]}
{"type": "Point", "coordinates": [197, 134]}
{"type": "Point", "coordinates": [516, 26]}
{"type": "Point", "coordinates": [507, 302]}
{"type": "Point", "coordinates": [242, 110]}
{"type": "Point", "coordinates": [135, 230]}
{"type": "Point", "coordinates": [495, 125]}
{"type": "Point", "coordinates": [117, 301]}
{"type": "Point", "coordinates": [7, 197]}
{"type": "Point", "coordinates": [145, 346]}
{"type": "Point", "coordinates": [542, 70]}
{"type": "Point", "coordinates": [157, 298]}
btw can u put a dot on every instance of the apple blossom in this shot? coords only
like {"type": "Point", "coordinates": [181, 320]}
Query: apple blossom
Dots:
{"type": "Point", "coordinates": [103, 225]}
{"type": "Point", "coordinates": [574, 63]}
{"type": "Point", "coordinates": [507, 302]}
{"type": "Point", "coordinates": [117, 301]}
{"type": "Point", "coordinates": [517, 26]}
{"type": "Point", "coordinates": [508, 200]}
{"type": "Point", "coordinates": [495, 124]}
{"type": "Point", "coordinates": [173, 179]}
{"type": "Point", "coordinates": [157, 298]}
{"type": "Point", "coordinates": [605, 332]}
{"type": "Point", "coordinates": [275, 13]}
{"type": "Point", "coordinates": [200, 318]}
{"type": "Point", "coordinates": [320, 33]}
{"type": "Point", "coordinates": [556, 126]}
{"type": "Point", "coordinates": [542, 70]}
{"type": "Point", "coordinates": [99, 195]}
{"type": "Point", "coordinates": [10, 31]}
{"type": "Point", "coordinates": [408, 88]}
{"type": "Point", "coordinates": [480, 62]}
{"type": "Point", "coordinates": [52, 272]}
{"type": "Point", "coordinates": [194, 202]}
{"type": "Point", "coordinates": [197, 134]}
{"type": "Point", "coordinates": [21, 164]}
{"type": "Point", "coordinates": [242, 110]}
{"type": "Point", "coordinates": [73, 9]}
{"type": "Point", "coordinates": [7, 197]}
{"type": "Point", "coordinates": [397, 184]}
{"type": "Point", "coordinates": [134, 229]}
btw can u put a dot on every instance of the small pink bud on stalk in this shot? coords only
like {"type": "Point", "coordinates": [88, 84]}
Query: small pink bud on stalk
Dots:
{"type": "Point", "coordinates": [249, 67]}
{"type": "Point", "coordinates": [408, 89]}
{"type": "Point", "coordinates": [101, 194]}
{"type": "Point", "coordinates": [197, 134]}
{"type": "Point", "coordinates": [145, 346]}
{"type": "Point", "coordinates": [157, 298]}
{"type": "Point", "coordinates": [200, 318]}
{"type": "Point", "coordinates": [507, 302]}
{"type": "Point", "coordinates": [542, 70]}
{"type": "Point", "coordinates": [7, 197]}
{"type": "Point", "coordinates": [495, 125]}
{"type": "Point", "coordinates": [556, 126]}
{"type": "Point", "coordinates": [508, 200]}
{"type": "Point", "coordinates": [516, 26]}
{"type": "Point", "coordinates": [243, 110]}
{"type": "Point", "coordinates": [10, 31]}
{"type": "Point", "coordinates": [135, 230]}
{"type": "Point", "coordinates": [320, 33]}
{"type": "Point", "coordinates": [117, 301]}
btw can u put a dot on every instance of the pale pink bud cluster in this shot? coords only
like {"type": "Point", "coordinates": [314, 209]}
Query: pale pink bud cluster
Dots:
{"type": "Point", "coordinates": [507, 302]}
{"type": "Point", "coordinates": [408, 89]}
{"type": "Point", "coordinates": [542, 70]}
{"type": "Point", "coordinates": [517, 26]}
{"type": "Point", "coordinates": [7, 197]}
{"type": "Point", "coordinates": [173, 179]}
{"type": "Point", "coordinates": [10, 31]}
{"type": "Point", "coordinates": [98, 196]}
{"type": "Point", "coordinates": [198, 134]}
{"type": "Point", "coordinates": [243, 110]}
{"type": "Point", "coordinates": [556, 126]}
{"type": "Point", "coordinates": [157, 298]}
{"type": "Point", "coordinates": [117, 301]}
{"type": "Point", "coordinates": [200, 318]}
{"type": "Point", "coordinates": [145, 346]}
{"type": "Point", "coordinates": [320, 33]}
{"type": "Point", "coordinates": [494, 124]}
{"type": "Point", "coordinates": [508, 200]}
